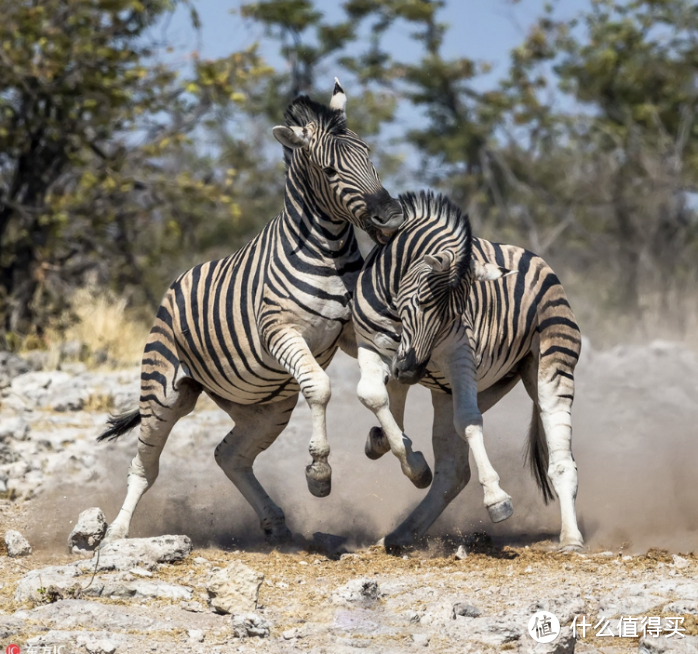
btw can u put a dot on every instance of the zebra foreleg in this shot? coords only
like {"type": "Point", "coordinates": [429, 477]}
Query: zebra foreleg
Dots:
{"type": "Point", "coordinates": [292, 352]}
{"type": "Point", "coordinates": [158, 415]}
{"type": "Point", "coordinates": [373, 393]}
{"type": "Point", "coordinates": [377, 443]}
{"type": "Point", "coordinates": [256, 428]}
{"type": "Point", "coordinates": [459, 367]}
{"type": "Point", "coordinates": [451, 474]}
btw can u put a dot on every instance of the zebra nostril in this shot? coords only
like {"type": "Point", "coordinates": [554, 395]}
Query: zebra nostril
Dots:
{"type": "Point", "coordinates": [377, 220]}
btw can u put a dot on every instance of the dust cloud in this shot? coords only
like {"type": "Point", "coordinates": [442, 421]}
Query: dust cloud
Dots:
{"type": "Point", "coordinates": [635, 442]}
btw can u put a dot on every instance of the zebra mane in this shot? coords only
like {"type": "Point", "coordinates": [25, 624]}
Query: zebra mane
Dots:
{"type": "Point", "coordinates": [428, 206]}
{"type": "Point", "coordinates": [303, 110]}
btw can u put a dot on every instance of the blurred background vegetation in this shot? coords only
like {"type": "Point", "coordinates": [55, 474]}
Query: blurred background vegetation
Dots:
{"type": "Point", "coordinates": [121, 166]}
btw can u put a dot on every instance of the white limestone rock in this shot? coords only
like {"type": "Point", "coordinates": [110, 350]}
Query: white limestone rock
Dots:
{"type": "Point", "coordinates": [16, 544]}
{"type": "Point", "coordinates": [235, 588]}
{"type": "Point", "coordinates": [89, 530]}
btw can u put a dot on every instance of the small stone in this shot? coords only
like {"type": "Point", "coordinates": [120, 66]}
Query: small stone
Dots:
{"type": "Point", "coordinates": [461, 553]}
{"type": "Point", "coordinates": [141, 572]}
{"type": "Point", "coordinates": [11, 366]}
{"type": "Point", "coordinates": [89, 530]}
{"type": "Point", "coordinates": [14, 428]}
{"type": "Point", "coordinates": [16, 544]}
{"type": "Point", "coordinates": [679, 562]}
{"type": "Point", "coordinates": [234, 589]}
{"type": "Point", "coordinates": [421, 640]}
{"type": "Point", "coordinates": [160, 549]}
{"type": "Point", "coordinates": [250, 625]}
{"type": "Point", "coordinates": [102, 646]}
{"type": "Point", "coordinates": [465, 610]}
{"type": "Point", "coordinates": [357, 590]}
{"type": "Point", "coordinates": [193, 607]}
{"type": "Point", "coordinates": [197, 635]}
{"type": "Point", "coordinates": [290, 634]}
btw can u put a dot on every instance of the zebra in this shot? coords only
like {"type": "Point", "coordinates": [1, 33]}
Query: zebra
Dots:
{"type": "Point", "coordinates": [255, 328]}
{"type": "Point", "coordinates": [426, 311]}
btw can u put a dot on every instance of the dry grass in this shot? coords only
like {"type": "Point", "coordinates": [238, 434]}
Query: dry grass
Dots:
{"type": "Point", "coordinates": [105, 330]}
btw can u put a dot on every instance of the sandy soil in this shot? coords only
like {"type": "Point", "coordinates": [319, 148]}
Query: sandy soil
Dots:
{"type": "Point", "coordinates": [636, 446]}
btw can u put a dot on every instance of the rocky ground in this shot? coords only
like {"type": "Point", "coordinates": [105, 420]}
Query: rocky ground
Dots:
{"type": "Point", "coordinates": [219, 588]}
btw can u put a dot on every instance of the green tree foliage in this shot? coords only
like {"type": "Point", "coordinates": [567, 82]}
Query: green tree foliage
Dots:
{"type": "Point", "coordinates": [96, 150]}
{"type": "Point", "coordinates": [630, 138]}
{"type": "Point", "coordinates": [118, 170]}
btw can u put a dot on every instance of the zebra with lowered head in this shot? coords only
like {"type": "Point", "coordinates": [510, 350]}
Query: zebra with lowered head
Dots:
{"type": "Point", "coordinates": [468, 319]}
{"type": "Point", "coordinates": [255, 328]}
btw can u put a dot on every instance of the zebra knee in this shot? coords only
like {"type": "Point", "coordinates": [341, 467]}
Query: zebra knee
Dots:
{"type": "Point", "coordinates": [144, 469]}
{"type": "Point", "coordinates": [318, 390]}
{"type": "Point", "coordinates": [562, 470]}
{"type": "Point", "coordinates": [228, 458]}
{"type": "Point", "coordinates": [464, 418]}
{"type": "Point", "coordinates": [372, 396]}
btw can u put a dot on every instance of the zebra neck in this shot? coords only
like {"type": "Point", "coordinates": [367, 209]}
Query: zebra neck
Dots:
{"type": "Point", "coordinates": [309, 224]}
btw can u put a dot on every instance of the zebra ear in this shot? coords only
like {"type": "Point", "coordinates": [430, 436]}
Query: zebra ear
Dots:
{"type": "Point", "coordinates": [485, 272]}
{"type": "Point", "coordinates": [339, 98]}
{"type": "Point", "coordinates": [440, 262]}
{"type": "Point", "coordinates": [292, 137]}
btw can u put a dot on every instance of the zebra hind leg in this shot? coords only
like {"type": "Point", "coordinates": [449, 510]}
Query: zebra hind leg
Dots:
{"type": "Point", "coordinates": [256, 428]}
{"type": "Point", "coordinates": [551, 387]}
{"type": "Point", "coordinates": [161, 406]}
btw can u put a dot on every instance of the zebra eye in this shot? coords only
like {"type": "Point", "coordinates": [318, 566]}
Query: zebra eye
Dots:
{"type": "Point", "coordinates": [329, 171]}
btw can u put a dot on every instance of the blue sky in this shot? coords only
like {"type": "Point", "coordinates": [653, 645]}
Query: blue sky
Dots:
{"type": "Point", "coordinates": [484, 30]}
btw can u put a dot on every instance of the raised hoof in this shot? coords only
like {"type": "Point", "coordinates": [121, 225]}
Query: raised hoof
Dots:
{"type": "Point", "coordinates": [319, 478]}
{"type": "Point", "coordinates": [376, 444]}
{"type": "Point", "coordinates": [423, 478]}
{"type": "Point", "coordinates": [500, 511]}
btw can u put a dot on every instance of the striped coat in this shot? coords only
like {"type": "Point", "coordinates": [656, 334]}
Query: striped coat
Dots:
{"type": "Point", "coordinates": [516, 325]}
{"type": "Point", "coordinates": [255, 328]}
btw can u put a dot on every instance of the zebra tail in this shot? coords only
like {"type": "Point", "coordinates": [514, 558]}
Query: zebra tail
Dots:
{"type": "Point", "coordinates": [119, 425]}
{"type": "Point", "coordinates": [536, 455]}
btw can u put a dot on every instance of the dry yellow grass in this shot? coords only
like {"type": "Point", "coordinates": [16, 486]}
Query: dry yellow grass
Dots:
{"type": "Point", "coordinates": [109, 332]}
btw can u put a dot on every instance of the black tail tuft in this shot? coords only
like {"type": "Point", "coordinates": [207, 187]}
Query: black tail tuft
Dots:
{"type": "Point", "coordinates": [119, 425]}
{"type": "Point", "coordinates": [536, 454]}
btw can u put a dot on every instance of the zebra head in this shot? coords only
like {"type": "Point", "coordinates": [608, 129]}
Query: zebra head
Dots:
{"type": "Point", "coordinates": [334, 162]}
{"type": "Point", "coordinates": [433, 291]}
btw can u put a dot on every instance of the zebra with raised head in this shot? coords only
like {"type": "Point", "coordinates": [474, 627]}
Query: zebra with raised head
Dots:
{"type": "Point", "coordinates": [255, 328]}
{"type": "Point", "coordinates": [468, 327]}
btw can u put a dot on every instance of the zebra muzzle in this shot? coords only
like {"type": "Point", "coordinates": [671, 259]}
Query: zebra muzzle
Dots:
{"type": "Point", "coordinates": [384, 212]}
{"type": "Point", "coordinates": [407, 370]}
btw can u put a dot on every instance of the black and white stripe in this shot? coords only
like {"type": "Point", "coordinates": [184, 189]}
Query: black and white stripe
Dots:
{"type": "Point", "coordinates": [517, 324]}
{"type": "Point", "coordinates": [255, 328]}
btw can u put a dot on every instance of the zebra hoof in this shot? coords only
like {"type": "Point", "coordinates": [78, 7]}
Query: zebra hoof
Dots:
{"type": "Point", "coordinates": [376, 444]}
{"type": "Point", "coordinates": [318, 475]}
{"type": "Point", "coordinates": [422, 478]}
{"type": "Point", "coordinates": [279, 535]}
{"type": "Point", "coordinates": [396, 545]}
{"type": "Point", "coordinates": [501, 510]}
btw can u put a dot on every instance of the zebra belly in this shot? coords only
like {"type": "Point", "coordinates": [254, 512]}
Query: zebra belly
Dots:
{"type": "Point", "coordinates": [257, 380]}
